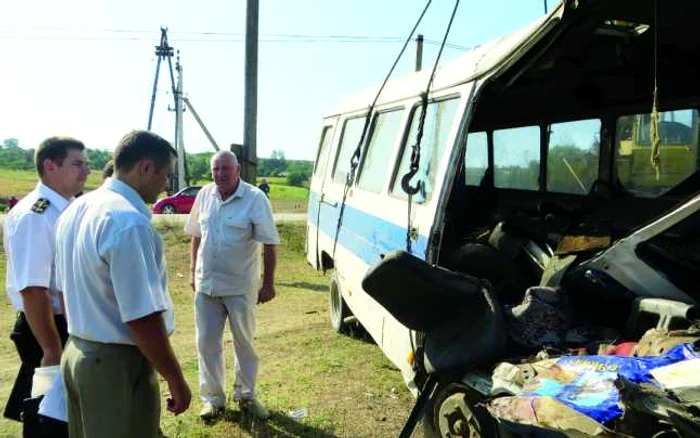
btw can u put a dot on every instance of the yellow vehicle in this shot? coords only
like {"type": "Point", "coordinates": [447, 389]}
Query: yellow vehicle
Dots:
{"type": "Point", "coordinates": [678, 151]}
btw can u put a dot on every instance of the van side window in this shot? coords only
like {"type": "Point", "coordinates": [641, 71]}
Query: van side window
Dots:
{"type": "Point", "coordinates": [352, 130]}
{"type": "Point", "coordinates": [572, 156]}
{"type": "Point", "coordinates": [677, 154]}
{"type": "Point", "coordinates": [439, 117]}
{"type": "Point", "coordinates": [516, 157]}
{"type": "Point", "coordinates": [386, 128]}
{"type": "Point", "coordinates": [322, 157]}
{"type": "Point", "coordinates": [476, 159]}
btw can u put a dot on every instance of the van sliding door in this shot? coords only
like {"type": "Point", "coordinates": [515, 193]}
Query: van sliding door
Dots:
{"type": "Point", "coordinates": [318, 180]}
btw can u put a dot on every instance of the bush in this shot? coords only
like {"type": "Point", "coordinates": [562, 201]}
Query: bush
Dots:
{"type": "Point", "coordinates": [297, 179]}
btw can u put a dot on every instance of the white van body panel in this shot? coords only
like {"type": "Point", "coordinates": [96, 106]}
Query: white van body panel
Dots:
{"type": "Point", "coordinates": [376, 223]}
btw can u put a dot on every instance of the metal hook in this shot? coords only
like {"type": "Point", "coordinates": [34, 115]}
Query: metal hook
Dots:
{"type": "Point", "coordinates": [406, 183]}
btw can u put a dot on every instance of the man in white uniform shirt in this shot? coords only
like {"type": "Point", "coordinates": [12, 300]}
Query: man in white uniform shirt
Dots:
{"type": "Point", "coordinates": [229, 220]}
{"type": "Point", "coordinates": [111, 267]}
{"type": "Point", "coordinates": [29, 229]}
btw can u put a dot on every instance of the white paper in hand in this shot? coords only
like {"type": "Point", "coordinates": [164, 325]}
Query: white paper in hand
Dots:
{"type": "Point", "coordinates": [54, 403]}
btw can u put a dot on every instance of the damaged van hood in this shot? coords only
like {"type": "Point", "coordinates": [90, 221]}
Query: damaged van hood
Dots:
{"type": "Point", "coordinates": [661, 259]}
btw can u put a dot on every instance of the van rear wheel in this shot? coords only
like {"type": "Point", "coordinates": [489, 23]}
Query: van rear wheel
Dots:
{"type": "Point", "coordinates": [338, 309]}
{"type": "Point", "coordinates": [452, 411]}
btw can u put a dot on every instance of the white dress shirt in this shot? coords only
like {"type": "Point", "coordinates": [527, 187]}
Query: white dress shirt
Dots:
{"type": "Point", "coordinates": [110, 264]}
{"type": "Point", "coordinates": [29, 241]}
{"type": "Point", "coordinates": [231, 231]}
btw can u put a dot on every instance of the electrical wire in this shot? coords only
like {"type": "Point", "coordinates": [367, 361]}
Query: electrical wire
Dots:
{"type": "Point", "coordinates": [206, 37]}
{"type": "Point", "coordinates": [355, 158]}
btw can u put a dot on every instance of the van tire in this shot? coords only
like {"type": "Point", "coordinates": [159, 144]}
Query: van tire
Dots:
{"type": "Point", "coordinates": [338, 310]}
{"type": "Point", "coordinates": [454, 410]}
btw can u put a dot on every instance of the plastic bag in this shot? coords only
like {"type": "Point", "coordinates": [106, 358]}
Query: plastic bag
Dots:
{"type": "Point", "coordinates": [587, 383]}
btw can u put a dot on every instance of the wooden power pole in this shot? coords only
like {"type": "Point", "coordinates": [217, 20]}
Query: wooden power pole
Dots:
{"type": "Point", "coordinates": [179, 136]}
{"type": "Point", "coordinates": [248, 158]}
{"type": "Point", "coordinates": [419, 52]}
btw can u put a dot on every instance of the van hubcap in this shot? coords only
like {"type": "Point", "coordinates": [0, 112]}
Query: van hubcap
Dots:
{"type": "Point", "coordinates": [456, 419]}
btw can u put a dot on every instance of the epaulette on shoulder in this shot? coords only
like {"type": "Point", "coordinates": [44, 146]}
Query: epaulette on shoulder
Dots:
{"type": "Point", "coordinates": [41, 205]}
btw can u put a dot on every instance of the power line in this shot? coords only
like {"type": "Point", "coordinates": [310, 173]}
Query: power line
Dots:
{"type": "Point", "coordinates": [236, 34]}
{"type": "Point", "coordinates": [215, 37]}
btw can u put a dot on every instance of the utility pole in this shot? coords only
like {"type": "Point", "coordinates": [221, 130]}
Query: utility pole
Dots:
{"type": "Point", "coordinates": [249, 159]}
{"type": "Point", "coordinates": [163, 51]}
{"type": "Point", "coordinates": [179, 137]}
{"type": "Point", "coordinates": [545, 6]}
{"type": "Point", "coordinates": [201, 123]}
{"type": "Point", "coordinates": [419, 52]}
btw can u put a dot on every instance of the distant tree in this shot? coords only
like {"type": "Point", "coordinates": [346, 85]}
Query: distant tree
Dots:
{"type": "Point", "coordinates": [297, 178]}
{"type": "Point", "coordinates": [572, 169]}
{"type": "Point", "coordinates": [14, 157]}
{"type": "Point", "coordinates": [198, 167]}
{"type": "Point", "coordinates": [519, 177]}
{"type": "Point", "coordinates": [10, 143]}
{"type": "Point", "coordinates": [299, 172]}
{"type": "Point", "coordinates": [98, 158]}
{"type": "Point", "coordinates": [277, 163]}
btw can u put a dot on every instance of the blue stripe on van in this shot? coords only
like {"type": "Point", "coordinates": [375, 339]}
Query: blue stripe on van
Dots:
{"type": "Point", "coordinates": [363, 234]}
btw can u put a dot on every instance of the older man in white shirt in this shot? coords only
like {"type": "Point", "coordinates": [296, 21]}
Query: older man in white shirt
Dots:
{"type": "Point", "coordinates": [111, 267]}
{"type": "Point", "coordinates": [228, 221]}
{"type": "Point", "coordinates": [29, 235]}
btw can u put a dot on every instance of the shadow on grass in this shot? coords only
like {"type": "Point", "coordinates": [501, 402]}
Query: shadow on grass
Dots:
{"type": "Point", "coordinates": [278, 425]}
{"type": "Point", "coordinates": [357, 331]}
{"type": "Point", "coordinates": [306, 285]}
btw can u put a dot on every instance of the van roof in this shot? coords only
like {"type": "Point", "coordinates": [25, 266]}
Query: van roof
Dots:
{"type": "Point", "coordinates": [601, 45]}
{"type": "Point", "coordinates": [477, 62]}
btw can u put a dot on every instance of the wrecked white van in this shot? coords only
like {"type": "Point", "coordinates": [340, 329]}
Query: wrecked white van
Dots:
{"type": "Point", "coordinates": [546, 158]}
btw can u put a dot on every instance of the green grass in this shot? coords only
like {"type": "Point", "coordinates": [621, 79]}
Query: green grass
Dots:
{"type": "Point", "coordinates": [274, 180]}
{"type": "Point", "coordinates": [284, 198]}
{"type": "Point", "coordinates": [288, 199]}
{"type": "Point", "coordinates": [21, 182]}
{"type": "Point", "coordinates": [348, 387]}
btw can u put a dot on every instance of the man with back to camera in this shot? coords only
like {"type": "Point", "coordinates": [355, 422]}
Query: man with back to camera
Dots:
{"type": "Point", "coordinates": [30, 230]}
{"type": "Point", "coordinates": [111, 265]}
{"type": "Point", "coordinates": [229, 220]}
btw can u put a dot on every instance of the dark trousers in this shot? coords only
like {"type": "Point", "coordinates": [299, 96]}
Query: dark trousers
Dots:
{"type": "Point", "coordinates": [38, 426]}
{"type": "Point", "coordinates": [30, 354]}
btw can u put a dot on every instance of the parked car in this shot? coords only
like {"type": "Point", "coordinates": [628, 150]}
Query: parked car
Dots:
{"type": "Point", "coordinates": [179, 203]}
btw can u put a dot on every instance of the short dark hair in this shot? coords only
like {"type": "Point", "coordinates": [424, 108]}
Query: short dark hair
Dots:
{"type": "Point", "coordinates": [108, 170]}
{"type": "Point", "coordinates": [138, 145]}
{"type": "Point", "coordinates": [55, 149]}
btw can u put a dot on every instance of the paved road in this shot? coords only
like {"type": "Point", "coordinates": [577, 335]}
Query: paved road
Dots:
{"type": "Point", "coordinates": [179, 219]}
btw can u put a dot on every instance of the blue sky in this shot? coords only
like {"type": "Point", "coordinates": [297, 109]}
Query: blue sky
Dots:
{"type": "Point", "coordinates": [85, 68]}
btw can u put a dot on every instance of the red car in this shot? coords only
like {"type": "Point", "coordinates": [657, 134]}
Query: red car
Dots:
{"type": "Point", "coordinates": [179, 203]}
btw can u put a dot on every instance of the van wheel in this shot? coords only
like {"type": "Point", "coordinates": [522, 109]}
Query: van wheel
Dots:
{"type": "Point", "coordinates": [338, 309]}
{"type": "Point", "coordinates": [452, 411]}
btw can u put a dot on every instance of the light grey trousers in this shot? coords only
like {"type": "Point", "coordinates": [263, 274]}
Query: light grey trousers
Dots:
{"type": "Point", "coordinates": [211, 314]}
